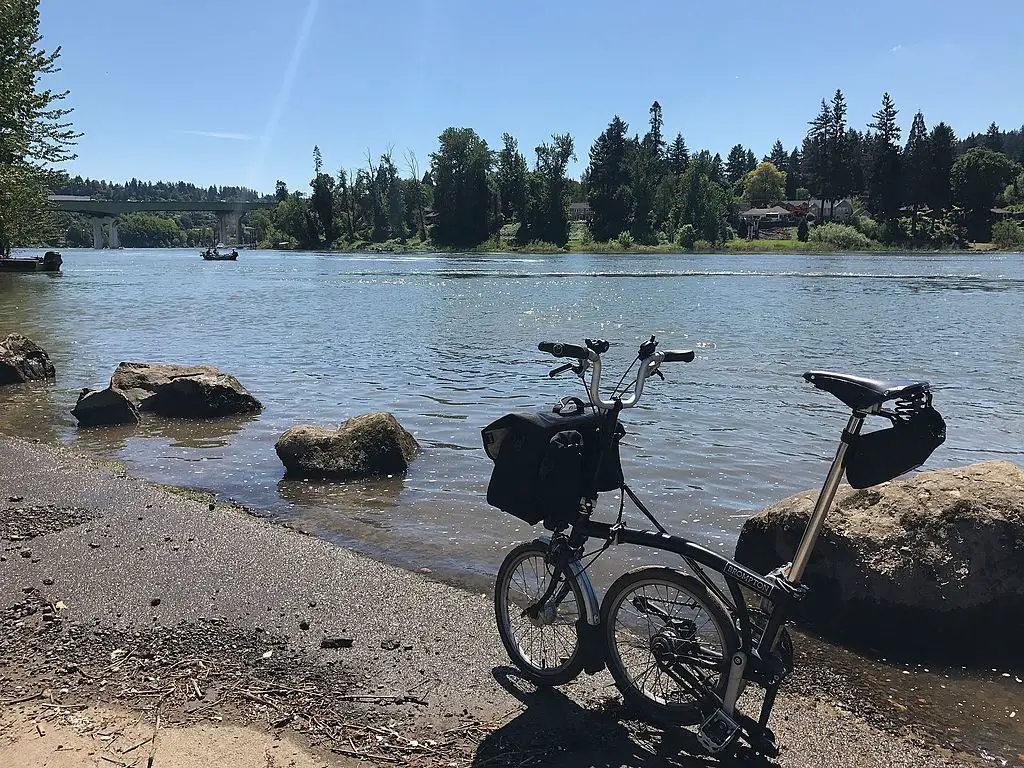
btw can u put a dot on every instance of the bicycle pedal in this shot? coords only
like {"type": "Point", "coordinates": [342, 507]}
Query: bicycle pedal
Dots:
{"type": "Point", "coordinates": [717, 732]}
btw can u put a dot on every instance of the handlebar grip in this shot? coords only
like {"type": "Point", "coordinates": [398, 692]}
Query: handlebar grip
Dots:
{"type": "Point", "coordinates": [564, 350]}
{"type": "Point", "coordinates": [679, 355]}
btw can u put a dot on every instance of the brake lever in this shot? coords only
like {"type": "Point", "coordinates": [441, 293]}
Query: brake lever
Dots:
{"type": "Point", "coordinates": [559, 370]}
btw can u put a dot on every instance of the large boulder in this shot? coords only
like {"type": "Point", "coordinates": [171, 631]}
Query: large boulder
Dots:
{"type": "Point", "coordinates": [21, 359]}
{"type": "Point", "coordinates": [929, 566]}
{"type": "Point", "coordinates": [182, 391]}
{"type": "Point", "coordinates": [364, 446]}
{"type": "Point", "coordinates": [104, 407]}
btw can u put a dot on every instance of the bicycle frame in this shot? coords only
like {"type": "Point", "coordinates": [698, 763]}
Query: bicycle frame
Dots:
{"type": "Point", "coordinates": [754, 661]}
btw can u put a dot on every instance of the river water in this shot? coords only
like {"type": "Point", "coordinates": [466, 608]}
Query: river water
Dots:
{"type": "Point", "coordinates": [448, 343]}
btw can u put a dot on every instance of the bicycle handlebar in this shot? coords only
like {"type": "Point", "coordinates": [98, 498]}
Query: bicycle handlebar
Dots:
{"type": "Point", "coordinates": [565, 350]}
{"type": "Point", "coordinates": [648, 365]}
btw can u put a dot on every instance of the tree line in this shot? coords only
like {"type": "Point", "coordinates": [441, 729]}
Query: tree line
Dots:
{"type": "Point", "coordinates": [932, 190]}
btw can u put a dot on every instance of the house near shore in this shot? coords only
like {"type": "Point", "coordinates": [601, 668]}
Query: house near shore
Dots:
{"type": "Point", "coordinates": [837, 210]}
{"type": "Point", "coordinates": [580, 212]}
{"type": "Point", "coordinates": [773, 216]}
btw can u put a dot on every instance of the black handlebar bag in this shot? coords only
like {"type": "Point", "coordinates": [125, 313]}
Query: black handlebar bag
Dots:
{"type": "Point", "coordinates": [880, 456]}
{"type": "Point", "coordinates": [542, 463]}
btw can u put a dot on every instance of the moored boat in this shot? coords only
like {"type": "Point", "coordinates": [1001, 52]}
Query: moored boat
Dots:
{"type": "Point", "coordinates": [48, 262]}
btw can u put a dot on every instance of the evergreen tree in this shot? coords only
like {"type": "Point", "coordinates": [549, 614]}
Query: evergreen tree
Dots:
{"type": "Point", "coordinates": [717, 174]}
{"type": "Point", "coordinates": [736, 164]}
{"type": "Point", "coordinates": [993, 138]}
{"type": "Point", "coordinates": [644, 178]}
{"type": "Point", "coordinates": [656, 139]}
{"type": "Point", "coordinates": [815, 169]}
{"type": "Point", "coordinates": [917, 163]}
{"type": "Point", "coordinates": [678, 156]}
{"type": "Point", "coordinates": [839, 181]}
{"type": "Point", "coordinates": [322, 199]}
{"type": "Point", "coordinates": [608, 182]}
{"type": "Point", "coordinates": [778, 156]}
{"type": "Point", "coordinates": [794, 177]}
{"type": "Point", "coordinates": [885, 189]}
{"type": "Point", "coordinates": [942, 143]}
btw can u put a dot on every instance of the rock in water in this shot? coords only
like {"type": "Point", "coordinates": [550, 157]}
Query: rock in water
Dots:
{"type": "Point", "coordinates": [929, 566]}
{"type": "Point", "coordinates": [182, 391]}
{"type": "Point", "coordinates": [364, 446]}
{"type": "Point", "coordinates": [21, 359]}
{"type": "Point", "coordinates": [103, 407]}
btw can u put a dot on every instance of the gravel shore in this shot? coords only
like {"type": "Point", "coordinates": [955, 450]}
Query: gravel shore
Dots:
{"type": "Point", "coordinates": [118, 596]}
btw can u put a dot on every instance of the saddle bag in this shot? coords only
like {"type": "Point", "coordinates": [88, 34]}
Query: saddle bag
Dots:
{"type": "Point", "coordinates": [880, 456]}
{"type": "Point", "coordinates": [544, 462]}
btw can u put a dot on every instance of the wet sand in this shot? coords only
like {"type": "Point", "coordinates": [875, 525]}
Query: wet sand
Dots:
{"type": "Point", "coordinates": [124, 604]}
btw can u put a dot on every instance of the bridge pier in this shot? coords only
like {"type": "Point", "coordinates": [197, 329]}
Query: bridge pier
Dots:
{"type": "Point", "coordinates": [229, 227]}
{"type": "Point", "coordinates": [113, 241]}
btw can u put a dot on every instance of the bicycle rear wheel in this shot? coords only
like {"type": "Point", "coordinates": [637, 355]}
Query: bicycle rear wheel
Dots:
{"type": "Point", "coordinates": [543, 642]}
{"type": "Point", "coordinates": [661, 627]}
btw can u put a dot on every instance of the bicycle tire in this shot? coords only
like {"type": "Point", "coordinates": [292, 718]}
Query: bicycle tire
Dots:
{"type": "Point", "coordinates": [666, 707]}
{"type": "Point", "coordinates": [560, 660]}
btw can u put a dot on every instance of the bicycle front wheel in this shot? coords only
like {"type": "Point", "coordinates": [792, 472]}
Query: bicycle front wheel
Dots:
{"type": "Point", "coordinates": [664, 630]}
{"type": "Point", "coordinates": [541, 640]}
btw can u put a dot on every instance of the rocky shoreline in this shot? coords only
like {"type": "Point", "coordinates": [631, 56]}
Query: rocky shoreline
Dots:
{"type": "Point", "coordinates": [189, 615]}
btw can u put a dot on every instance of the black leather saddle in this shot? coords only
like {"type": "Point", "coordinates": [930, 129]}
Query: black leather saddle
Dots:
{"type": "Point", "coordinates": [859, 393]}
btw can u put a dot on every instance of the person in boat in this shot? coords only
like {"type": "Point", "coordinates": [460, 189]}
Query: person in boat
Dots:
{"type": "Point", "coordinates": [234, 254]}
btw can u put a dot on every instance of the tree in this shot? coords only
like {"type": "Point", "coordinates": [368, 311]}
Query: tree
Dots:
{"type": "Point", "coordinates": [993, 138]}
{"type": "Point", "coordinates": [547, 216]}
{"type": "Point", "coordinates": [416, 195]}
{"type": "Point", "coordinates": [917, 162]}
{"type": "Point", "coordinates": [978, 176]}
{"type": "Point", "coordinates": [703, 203]}
{"type": "Point", "coordinates": [678, 156]}
{"type": "Point", "coordinates": [736, 164]}
{"type": "Point", "coordinates": [802, 230]}
{"type": "Point", "coordinates": [459, 173]}
{"type": "Point", "coordinates": [511, 179]}
{"type": "Point", "coordinates": [942, 144]}
{"type": "Point", "coordinates": [656, 140]}
{"type": "Point", "coordinates": [33, 131]}
{"type": "Point", "coordinates": [322, 199]}
{"type": "Point", "coordinates": [778, 156]}
{"type": "Point", "coordinates": [794, 177]}
{"type": "Point", "coordinates": [608, 182]}
{"type": "Point", "coordinates": [280, 191]}
{"type": "Point", "coordinates": [764, 186]}
{"type": "Point", "coordinates": [885, 188]}
{"type": "Point", "coordinates": [839, 165]}
{"type": "Point", "coordinates": [815, 169]}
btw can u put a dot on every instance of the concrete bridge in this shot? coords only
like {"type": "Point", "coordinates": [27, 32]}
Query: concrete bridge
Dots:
{"type": "Point", "coordinates": [104, 213]}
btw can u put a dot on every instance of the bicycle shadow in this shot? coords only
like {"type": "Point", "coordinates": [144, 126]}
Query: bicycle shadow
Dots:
{"type": "Point", "coordinates": [557, 732]}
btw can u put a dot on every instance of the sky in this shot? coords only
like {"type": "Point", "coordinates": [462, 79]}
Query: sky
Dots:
{"type": "Point", "coordinates": [237, 92]}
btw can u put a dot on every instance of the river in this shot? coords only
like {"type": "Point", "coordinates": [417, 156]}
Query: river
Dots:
{"type": "Point", "coordinates": [447, 342]}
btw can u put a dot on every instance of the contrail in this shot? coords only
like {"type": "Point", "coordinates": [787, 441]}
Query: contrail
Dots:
{"type": "Point", "coordinates": [260, 156]}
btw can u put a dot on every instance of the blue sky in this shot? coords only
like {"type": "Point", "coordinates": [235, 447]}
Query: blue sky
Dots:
{"type": "Point", "coordinates": [238, 92]}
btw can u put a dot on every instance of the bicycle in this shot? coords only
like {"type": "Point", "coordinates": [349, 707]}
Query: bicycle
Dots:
{"type": "Point", "coordinates": [680, 648]}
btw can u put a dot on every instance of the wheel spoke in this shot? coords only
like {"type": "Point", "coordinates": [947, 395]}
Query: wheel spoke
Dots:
{"type": "Point", "coordinates": [655, 625]}
{"type": "Point", "coordinates": [548, 642]}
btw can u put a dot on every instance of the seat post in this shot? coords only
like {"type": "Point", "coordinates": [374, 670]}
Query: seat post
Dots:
{"type": "Point", "coordinates": [828, 492]}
